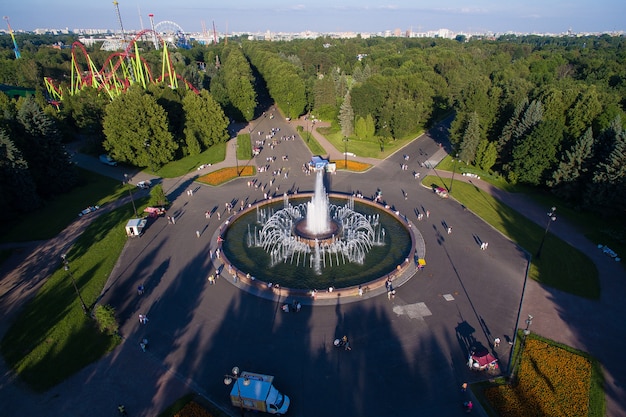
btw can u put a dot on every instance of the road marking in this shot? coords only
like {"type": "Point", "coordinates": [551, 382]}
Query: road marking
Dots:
{"type": "Point", "coordinates": [413, 311]}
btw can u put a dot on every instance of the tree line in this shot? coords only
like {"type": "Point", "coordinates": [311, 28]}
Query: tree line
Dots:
{"type": "Point", "coordinates": [543, 111]}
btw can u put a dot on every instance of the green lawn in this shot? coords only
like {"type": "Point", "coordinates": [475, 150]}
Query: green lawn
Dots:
{"type": "Point", "coordinates": [174, 169]}
{"type": "Point", "coordinates": [313, 145]}
{"type": "Point", "coordinates": [52, 338]}
{"type": "Point", "coordinates": [244, 147]}
{"type": "Point", "coordinates": [561, 265]}
{"type": "Point", "coordinates": [60, 212]}
{"type": "Point", "coordinates": [370, 148]}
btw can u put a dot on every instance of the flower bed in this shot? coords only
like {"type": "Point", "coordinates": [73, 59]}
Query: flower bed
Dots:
{"type": "Point", "coordinates": [550, 382]}
{"type": "Point", "coordinates": [193, 409]}
{"type": "Point", "coordinates": [225, 174]}
{"type": "Point", "coordinates": [352, 165]}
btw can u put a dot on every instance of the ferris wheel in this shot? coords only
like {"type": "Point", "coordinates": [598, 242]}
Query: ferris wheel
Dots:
{"type": "Point", "coordinates": [172, 33]}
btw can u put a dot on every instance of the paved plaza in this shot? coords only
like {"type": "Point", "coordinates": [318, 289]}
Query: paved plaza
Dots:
{"type": "Point", "coordinates": [409, 353]}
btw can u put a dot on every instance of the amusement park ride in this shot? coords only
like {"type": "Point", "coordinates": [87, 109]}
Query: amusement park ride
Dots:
{"type": "Point", "coordinates": [16, 50]}
{"type": "Point", "coordinates": [121, 69]}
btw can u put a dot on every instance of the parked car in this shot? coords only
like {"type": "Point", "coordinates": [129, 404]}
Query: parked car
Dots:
{"type": "Point", "coordinates": [144, 184]}
{"type": "Point", "coordinates": [106, 159]}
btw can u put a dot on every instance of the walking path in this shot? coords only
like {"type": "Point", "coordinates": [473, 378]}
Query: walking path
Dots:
{"type": "Point", "coordinates": [593, 326]}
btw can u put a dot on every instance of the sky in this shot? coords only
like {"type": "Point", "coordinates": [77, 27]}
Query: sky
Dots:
{"type": "Point", "coordinates": [468, 16]}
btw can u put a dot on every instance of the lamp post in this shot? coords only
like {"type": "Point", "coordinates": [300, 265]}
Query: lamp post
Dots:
{"type": "Point", "coordinates": [453, 171]}
{"type": "Point", "coordinates": [551, 218]}
{"type": "Point", "coordinates": [345, 152]}
{"type": "Point", "coordinates": [529, 321]}
{"type": "Point", "coordinates": [235, 376]}
{"type": "Point", "coordinates": [132, 199]}
{"type": "Point", "coordinates": [66, 266]}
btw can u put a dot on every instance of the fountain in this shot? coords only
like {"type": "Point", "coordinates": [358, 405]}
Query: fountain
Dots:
{"type": "Point", "coordinates": [317, 215]}
{"type": "Point", "coordinates": [327, 234]}
{"type": "Point", "coordinates": [321, 240]}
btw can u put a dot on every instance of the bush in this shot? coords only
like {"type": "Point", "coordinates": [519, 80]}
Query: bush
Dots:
{"type": "Point", "coordinates": [105, 317]}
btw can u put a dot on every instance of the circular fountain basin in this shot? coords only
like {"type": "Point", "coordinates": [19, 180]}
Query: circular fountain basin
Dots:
{"type": "Point", "coordinates": [252, 265]}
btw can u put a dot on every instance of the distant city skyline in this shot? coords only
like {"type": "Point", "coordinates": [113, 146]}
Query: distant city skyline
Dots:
{"type": "Point", "coordinates": [477, 16]}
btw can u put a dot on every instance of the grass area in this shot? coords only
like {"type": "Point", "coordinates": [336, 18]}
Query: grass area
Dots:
{"type": "Point", "coordinates": [244, 147]}
{"type": "Point", "coordinates": [224, 175]}
{"type": "Point", "coordinates": [607, 229]}
{"type": "Point", "coordinates": [49, 221]}
{"type": "Point", "coordinates": [52, 338]}
{"type": "Point", "coordinates": [561, 265]}
{"type": "Point", "coordinates": [313, 145]}
{"type": "Point", "coordinates": [174, 169]}
{"type": "Point", "coordinates": [370, 148]}
{"type": "Point", "coordinates": [551, 380]}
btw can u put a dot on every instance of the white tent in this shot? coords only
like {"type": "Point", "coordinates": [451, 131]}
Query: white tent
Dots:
{"type": "Point", "coordinates": [134, 227]}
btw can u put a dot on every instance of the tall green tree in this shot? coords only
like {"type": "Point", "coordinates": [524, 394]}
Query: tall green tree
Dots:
{"type": "Point", "coordinates": [39, 141]}
{"type": "Point", "coordinates": [486, 155]}
{"type": "Point", "coordinates": [205, 122]}
{"type": "Point", "coordinates": [346, 116]}
{"type": "Point", "coordinates": [137, 130]}
{"type": "Point", "coordinates": [535, 154]}
{"type": "Point", "coordinates": [471, 139]}
{"type": "Point", "coordinates": [566, 179]}
{"type": "Point", "coordinates": [17, 188]}
{"type": "Point", "coordinates": [239, 84]}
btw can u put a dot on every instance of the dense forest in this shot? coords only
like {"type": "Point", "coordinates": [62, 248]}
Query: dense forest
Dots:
{"type": "Point", "coordinates": [542, 111]}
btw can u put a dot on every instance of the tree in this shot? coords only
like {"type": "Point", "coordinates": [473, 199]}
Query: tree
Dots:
{"type": "Point", "coordinates": [346, 116]}
{"type": "Point", "coordinates": [39, 141]}
{"type": "Point", "coordinates": [535, 154]}
{"type": "Point", "coordinates": [360, 128]}
{"type": "Point", "coordinates": [566, 179]}
{"type": "Point", "coordinates": [239, 84]}
{"type": "Point", "coordinates": [205, 122]}
{"type": "Point", "coordinates": [471, 139]}
{"type": "Point", "coordinates": [18, 191]}
{"type": "Point", "coordinates": [486, 155]}
{"type": "Point", "coordinates": [158, 197]}
{"type": "Point", "coordinates": [136, 130]}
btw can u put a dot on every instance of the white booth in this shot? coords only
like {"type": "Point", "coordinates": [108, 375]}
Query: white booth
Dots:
{"type": "Point", "coordinates": [134, 227]}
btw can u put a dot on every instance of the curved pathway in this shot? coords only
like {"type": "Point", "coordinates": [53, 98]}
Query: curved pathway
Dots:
{"type": "Point", "coordinates": [407, 350]}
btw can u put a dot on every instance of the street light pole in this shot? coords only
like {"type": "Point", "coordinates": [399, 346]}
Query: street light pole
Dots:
{"type": "Point", "coordinates": [66, 266]}
{"type": "Point", "coordinates": [551, 218]}
{"type": "Point", "coordinates": [235, 376]}
{"type": "Point", "coordinates": [453, 171]}
{"type": "Point", "coordinates": [132, 199]}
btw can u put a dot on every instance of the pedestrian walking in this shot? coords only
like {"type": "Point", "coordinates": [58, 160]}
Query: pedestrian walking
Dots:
{"type": "Point", "coordinates": [482, 246]}
{"type": "Point", "coordinates": [211, 279]}
{"type": "Point", "coordinates": [468, 405]}
{"type": "Point", "coordinates": [496, 342]}
{"type": "Point", "coordinates": [219, 216]}
{"type": "Point", "coordinates": [427, 214]}
{"type": "Point", "coordinates": [143, 345]}
{"type": "Point", "coordinates": [122, 410]}
{"type": "Point", "coordinates": [449, 230]}
{"type": "Point", "coordinates": [140, 289]}
{"type": "Point", "coordinates": [346, 343]}
{"type": "Point", "coordinates": [464, 387]}
{"type": "Point", "coordinates": [143, 319]}
{"type": "Point", "coordinates": [197, 233]}
{"type": "Point", "coordinates": [173, 220]}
